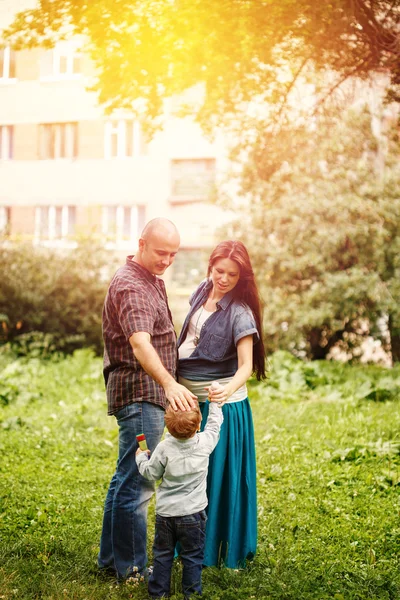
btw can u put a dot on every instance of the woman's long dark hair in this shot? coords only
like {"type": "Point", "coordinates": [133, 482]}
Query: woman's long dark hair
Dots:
{"type": "Point", "coordinates": [246, 291]}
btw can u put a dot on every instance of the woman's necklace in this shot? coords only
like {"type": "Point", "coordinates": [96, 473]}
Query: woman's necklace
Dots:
{"type": "Point", "coordinates": [197, 335]}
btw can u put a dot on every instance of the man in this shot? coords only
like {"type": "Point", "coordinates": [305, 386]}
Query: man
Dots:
{"type": "Point", "coordinates": [139, 369]}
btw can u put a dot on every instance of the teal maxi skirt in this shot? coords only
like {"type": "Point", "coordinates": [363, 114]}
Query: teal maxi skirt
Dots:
{"type": "Point", "coordinates": [231, 534]}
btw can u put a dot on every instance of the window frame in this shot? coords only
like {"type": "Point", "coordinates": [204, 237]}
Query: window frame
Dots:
{"type": "Point", "coordinates": [52, 237]}
{"type": "Point", "coordinates": [5, 74]}
{"type": "Point", "coordinates": [7, 133]}
{"type": "Point", "coordinates": [68, 50]}
{"type": "Point", "coordinates": [59, 139]}
{"type": "Point", "coordinates": [116, 238]}
{"type": "Point", "coordinates": [197, 195]}
{"type": "Point", "coordinates": [123, 128]}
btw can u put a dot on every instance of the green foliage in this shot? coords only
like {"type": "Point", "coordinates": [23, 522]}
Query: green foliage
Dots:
{"type": "Point", "coordinates": [239, 50]}
{"type": "Point", "coordinates": [334, 381]}
{"type": "Point", "coordinates": [328, 467]}
{"type": "Point", "coordinates": [52, 300]}
{"type": "Point", "coordinates": [37, 344]}
{"type": "Point", "coordinates": [323, 230]}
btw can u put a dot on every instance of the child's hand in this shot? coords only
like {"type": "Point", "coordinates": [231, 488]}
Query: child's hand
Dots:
{"type": "Point", "coordinates": [217, 393]}
{"type": "Point", "coordinates": [139, 451]}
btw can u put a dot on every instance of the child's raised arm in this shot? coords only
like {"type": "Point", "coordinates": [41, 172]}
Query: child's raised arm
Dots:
{"type": "Point", "coordinates": [213, 425]}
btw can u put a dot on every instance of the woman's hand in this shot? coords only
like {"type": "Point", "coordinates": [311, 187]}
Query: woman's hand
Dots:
{"type": "Point", "coordinates": [218, 393]}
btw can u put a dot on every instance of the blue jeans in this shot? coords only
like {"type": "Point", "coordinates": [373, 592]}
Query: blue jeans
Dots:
{"type": "Point", "coordinates": [190, 532]}
{"type": "Point", "coordinates": [124, 534]}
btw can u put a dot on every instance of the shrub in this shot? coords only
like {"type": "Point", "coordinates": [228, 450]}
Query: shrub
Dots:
{"type": "Point", "coordinates": [52, 292]}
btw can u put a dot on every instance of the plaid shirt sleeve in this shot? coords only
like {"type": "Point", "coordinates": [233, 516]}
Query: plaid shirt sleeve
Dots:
{"type": "Point", "coordinates": [136, 311]}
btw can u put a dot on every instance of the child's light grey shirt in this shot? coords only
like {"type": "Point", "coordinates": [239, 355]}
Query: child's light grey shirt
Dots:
{"type": "Point", "coordinates": [183, 466]}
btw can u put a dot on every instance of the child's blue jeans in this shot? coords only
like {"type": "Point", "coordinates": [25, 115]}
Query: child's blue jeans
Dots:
{"type": "Point", "coordinates": [189, 531]}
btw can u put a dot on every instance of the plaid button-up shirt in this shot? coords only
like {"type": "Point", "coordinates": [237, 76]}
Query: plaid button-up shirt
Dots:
{"type": "Point", "coordinates": [136, 301]}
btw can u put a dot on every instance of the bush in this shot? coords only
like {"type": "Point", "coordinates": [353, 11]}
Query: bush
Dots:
{"type": "Point", "coordinates": [52, 300]}
{"type": "Point", "coordinates": [36, 344]}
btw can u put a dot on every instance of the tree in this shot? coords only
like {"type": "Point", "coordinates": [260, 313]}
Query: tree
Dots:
{"type": "Point", "coordinates": [322, 225]}
{"type": "Point", "coordinates": [323, 228]}
{"type": "Point", "coordinates": [241, 50]}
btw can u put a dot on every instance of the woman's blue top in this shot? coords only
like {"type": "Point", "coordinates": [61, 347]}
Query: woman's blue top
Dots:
{"type": "Point", "coordinates": [216, 355]}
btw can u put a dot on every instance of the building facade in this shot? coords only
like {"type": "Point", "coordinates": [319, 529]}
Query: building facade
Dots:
{"type": "Point", "coordinates": [67, 170]}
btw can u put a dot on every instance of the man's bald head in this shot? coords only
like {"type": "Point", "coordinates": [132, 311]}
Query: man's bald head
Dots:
{"type": "Point", "coordinates": [159, 227]}
{"type": "Point", "coordinates": [158, 246]}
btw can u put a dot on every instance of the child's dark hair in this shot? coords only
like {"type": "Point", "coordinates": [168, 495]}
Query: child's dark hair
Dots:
{"type": "Point", "coordinates": [182, 424]}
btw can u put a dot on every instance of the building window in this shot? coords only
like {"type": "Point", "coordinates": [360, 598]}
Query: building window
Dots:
{"type": "Point", "coordinates": [192, 178]}
{"type": "Point", "coordinates": [7, 64]}
{"type": "Point", "coordinates": [62, 62]}
{"type": "Point", "coordinates": [4, 219]}
{"type": "Point", "coordinates": [123, 138]}
{"type": "Point", "coordinates": [122, 224]}
{"type": "Point", "coordinates": [54, 222]}
{"type": "Point", "coordinates": [58, 140]}
{"type": "Point", "coordinates": [6, 142]}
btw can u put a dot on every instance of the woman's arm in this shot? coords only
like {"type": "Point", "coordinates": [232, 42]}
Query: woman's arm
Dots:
{"type": "Point", "coordinates": [245, 369]}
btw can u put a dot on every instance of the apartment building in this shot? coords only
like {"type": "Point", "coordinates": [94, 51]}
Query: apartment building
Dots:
{"type": "Point", "coordinates": [68, 170]}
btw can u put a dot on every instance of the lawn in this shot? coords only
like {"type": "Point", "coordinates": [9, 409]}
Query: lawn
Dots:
{"type": "Point", "coordinates": [328, 452]}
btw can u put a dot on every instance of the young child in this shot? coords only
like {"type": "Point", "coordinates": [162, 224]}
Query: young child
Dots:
{"type": "Point", "coordinates": [181, 460]}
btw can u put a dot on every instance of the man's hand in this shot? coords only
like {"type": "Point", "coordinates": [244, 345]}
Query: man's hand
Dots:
{"type": "Point", "coordinates": [139, 451]}
{"type": "Point", "coordinates": [180, 397]}
{"type": "Point", "coordinates": [177, 395]}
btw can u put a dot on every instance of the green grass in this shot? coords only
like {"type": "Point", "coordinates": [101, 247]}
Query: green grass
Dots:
{"type": "Point", "coordinates": [328, 440]}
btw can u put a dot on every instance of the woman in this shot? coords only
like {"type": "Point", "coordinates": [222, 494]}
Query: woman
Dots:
{"type": "Point", "coordinates": [221, 340]}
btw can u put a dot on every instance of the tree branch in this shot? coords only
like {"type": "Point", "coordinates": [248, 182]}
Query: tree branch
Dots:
{"type": "Point", "coordinates": [290, 86]}
{"type": "Point", "coordinates": [379, 37]}
{"type": "Point", "coordinates": [352, 72]}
